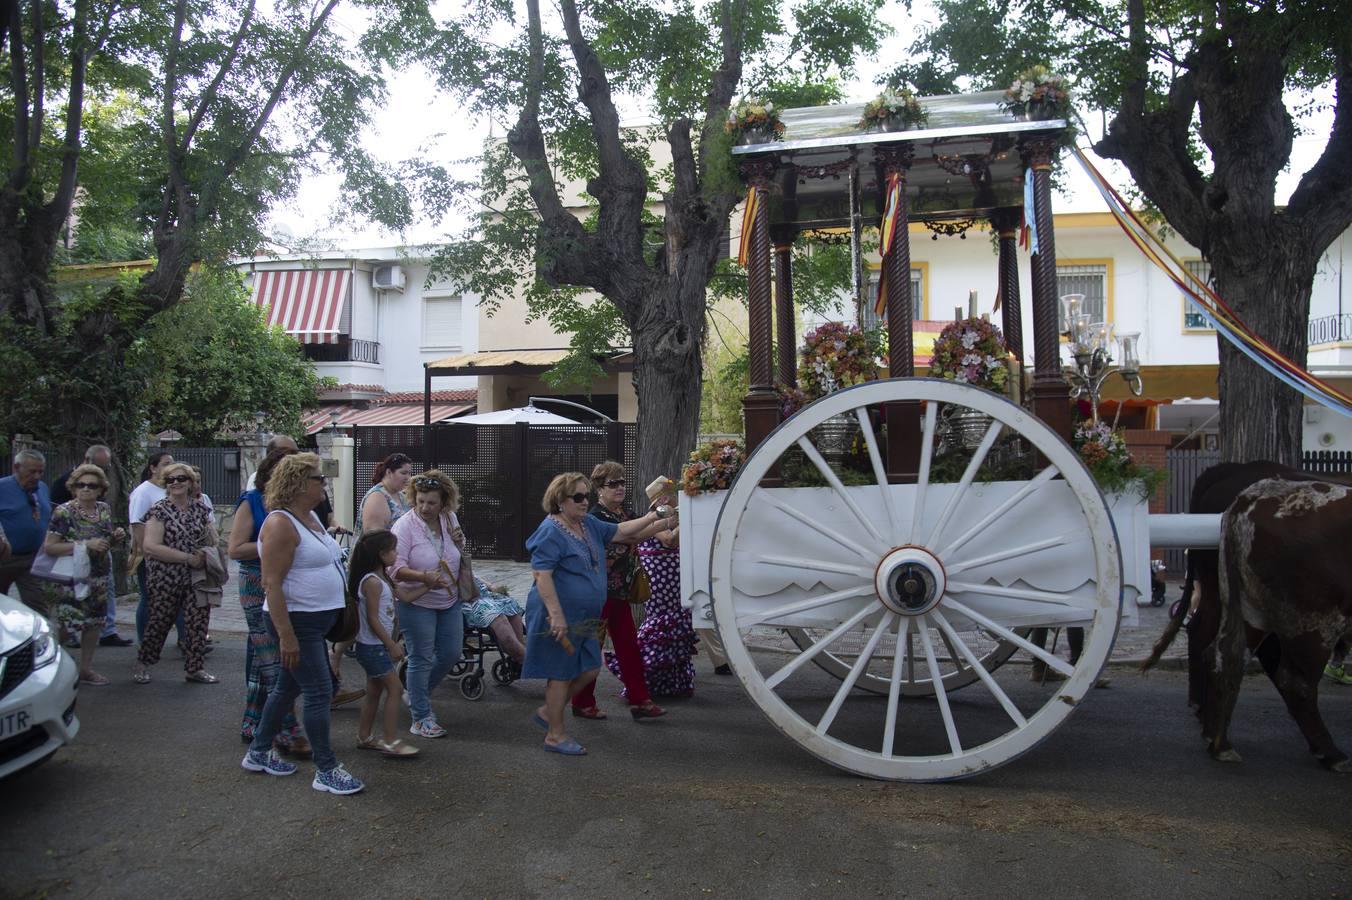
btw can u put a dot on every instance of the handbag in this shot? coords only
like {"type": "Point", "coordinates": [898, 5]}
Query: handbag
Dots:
{"type": "Point", "coordinates": [640, 588]}
{"type": "Point", "coordinates": [465, 588]}
{"type": "Point", "coordinates": [54, 569]}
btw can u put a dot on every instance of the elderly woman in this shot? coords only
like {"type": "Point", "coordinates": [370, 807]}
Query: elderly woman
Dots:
{"type": "Point", "coordinates": [304, 582]}
{"type": "Point", "coordinates": [177, 528]}
{"type": "Point", "coordinates": [622, 567]}
{"type": "Point", "coordinates": [568, 556]}
{"type": "Point", "coordinates": [86, 519]}
{"type": "Point", "coordinates": [430, 547]}
{"type": "Point", "coordinates": [262, 665]}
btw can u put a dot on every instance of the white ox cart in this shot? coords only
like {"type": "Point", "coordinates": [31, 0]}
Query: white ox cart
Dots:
{"type": "Point", "coordinates": [909, 593]}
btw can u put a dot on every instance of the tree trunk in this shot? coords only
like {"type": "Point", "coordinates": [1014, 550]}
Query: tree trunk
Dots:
{"type": "Point", "coordinates": [1269, 288]}
{"type": "Point", "coordinates": [668, 359]}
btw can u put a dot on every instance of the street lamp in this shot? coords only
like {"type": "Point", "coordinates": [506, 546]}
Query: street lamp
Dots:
{"type": "Point", "coordinates": [1091, 349]}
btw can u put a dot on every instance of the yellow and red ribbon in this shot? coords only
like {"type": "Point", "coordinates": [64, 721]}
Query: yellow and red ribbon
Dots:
{"type": "Point", "coordinates": [748, 225]}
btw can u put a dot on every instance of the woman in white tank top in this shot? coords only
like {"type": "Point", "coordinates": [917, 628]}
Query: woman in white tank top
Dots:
{"type": "Point", "coordinates": [303, 581]}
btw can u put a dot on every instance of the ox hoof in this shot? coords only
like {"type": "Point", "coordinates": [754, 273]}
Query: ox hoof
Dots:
{"type": "Point", "coordinates": [1226, 756]}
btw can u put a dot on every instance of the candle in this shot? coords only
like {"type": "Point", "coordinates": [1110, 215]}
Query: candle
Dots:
{"type": "Point", "coordinates": [971, 304]}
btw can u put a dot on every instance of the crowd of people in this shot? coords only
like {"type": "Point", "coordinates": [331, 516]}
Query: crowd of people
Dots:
{"type": "Point", "coordinates": [400, 602]}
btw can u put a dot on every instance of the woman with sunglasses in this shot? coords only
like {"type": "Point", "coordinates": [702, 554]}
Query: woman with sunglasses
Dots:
{"type": "Point", "coordinates": [88, 520]}
{"type": "Point", "coordinates": [177, 528]}
{"type": "Point", "coordinates": [564, 608]}
{"type": "Point", "coordinates": [429, 553]}
{"type": "Point", "coordinates": [622, 569]}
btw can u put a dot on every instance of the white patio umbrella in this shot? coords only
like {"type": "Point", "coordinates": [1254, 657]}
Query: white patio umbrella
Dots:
{"type": "Point", "coordinates": [531, 414]}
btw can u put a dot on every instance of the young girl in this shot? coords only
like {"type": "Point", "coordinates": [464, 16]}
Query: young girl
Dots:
{"type": "Point", "coordinates": [377, 650]}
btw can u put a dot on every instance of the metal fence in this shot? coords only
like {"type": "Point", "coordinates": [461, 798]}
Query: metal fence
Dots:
{"type": "Point", "coordinates": [220, 471]}
{"type": "Point", "coordinates": [1186, 465]}
{"type": "Point", "coordinates": [502, 470]}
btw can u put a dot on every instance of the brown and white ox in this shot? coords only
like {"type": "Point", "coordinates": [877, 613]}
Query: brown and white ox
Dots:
{"type": "Point", "coordinates": [1285, 574]}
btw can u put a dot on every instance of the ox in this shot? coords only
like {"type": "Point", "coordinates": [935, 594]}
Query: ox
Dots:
{"type": "Point", "coordinates": [1284, 571]}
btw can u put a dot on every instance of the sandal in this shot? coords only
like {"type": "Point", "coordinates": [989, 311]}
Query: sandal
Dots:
{"type": "Point", "coordinates": [398, 749]}
{"type": "Point", "coordinates": [588, 712]}
{"type": "Point", "coordinates": [201, 677]}
{"type": "Point", "coordinates": [94, 679]}
{"type": "Point", "coordinates": [649, 710]}
{"type": "Point", "coordinates": [369, 743]}
{"type": "Point", "coordinates": [140, 675]}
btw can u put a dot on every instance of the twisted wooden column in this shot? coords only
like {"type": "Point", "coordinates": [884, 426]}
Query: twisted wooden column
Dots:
{"type": "Point", "coordinates": [786, 341]}
{"type": "Point", "coordinates": [903, 419]}
{"type": "Point", "coordinates": [760, 407]}
{"type": "Point", "coordinates": [1006, 224]}
{"type": "Point", "coordinates": [1051, 394]}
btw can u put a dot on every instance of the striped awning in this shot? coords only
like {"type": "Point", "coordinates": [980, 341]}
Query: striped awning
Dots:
{"type": "Point", "coordinates": [308, 304]}
{"type": "Point", "coordinates": [316, 420]}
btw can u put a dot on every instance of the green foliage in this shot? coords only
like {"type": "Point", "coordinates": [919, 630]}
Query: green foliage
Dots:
{"type": "Point", "coordinates": [213, 362]}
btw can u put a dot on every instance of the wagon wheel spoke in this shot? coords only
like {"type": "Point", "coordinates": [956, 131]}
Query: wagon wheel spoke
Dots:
{"type": "Point", "coordinates": [824, 468]}
{"type": "Point", "coordinates": [952, 651]}
{"type": "Point", "coordinates": [828, 533]}
{"type": "Point", "coordinates": [1002, 555]}
{"type": "Point", "coordinates": [989, 519]}
{"type": "Point", "coordinates": [1035, 596]}
{"type": "Point", "coordinates": [879, 471]}
{"type": "Point", "coordinates": [1056, 663]}
{"type": "Point", "coordinates": [806, 656]}
{"type": "Point", "coordinates": [797, 606]}
{"type": "Point", "coordinates": [973, 466]}
{"type": "Point", "coordinates": [817, 565]}
{"type": "Point", "coordinates": [894, 693]}
{"type": "Point", "coordinates": [940, 692]}
{"type": "Point", "coordinates": [848, 684]}
{"type": "Point", "coordinates": [926, 460]}
{"type": "Point", "coordinates": [1001, 697]}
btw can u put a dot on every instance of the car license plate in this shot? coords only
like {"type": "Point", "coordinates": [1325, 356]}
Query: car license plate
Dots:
{"type": "Point", "coordinates": [15, 722]}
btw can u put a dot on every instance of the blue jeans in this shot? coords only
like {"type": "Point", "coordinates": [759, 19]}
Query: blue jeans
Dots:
{"type": "Point", "coordinates": [435, 639]}
{"type": "Point", "coordinates": [143, 613]}
{"type": "Point", "coordinates": [311, 679]}
{"type": "Point", "coordinates": [110, 620]}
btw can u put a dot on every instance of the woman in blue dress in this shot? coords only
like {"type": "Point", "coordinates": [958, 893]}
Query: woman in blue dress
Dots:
{"type": "Point", "coordinates": [563, 609]}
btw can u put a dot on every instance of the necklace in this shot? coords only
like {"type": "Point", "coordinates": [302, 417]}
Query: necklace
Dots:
{"type": "Point", "coordinates": [92, 515]}
{"type": "Point", "coordinates": [582, 539]}
{"type": "Point", "coordinates": [437, 538]}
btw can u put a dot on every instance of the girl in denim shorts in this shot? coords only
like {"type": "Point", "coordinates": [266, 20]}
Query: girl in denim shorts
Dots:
{"type": "Point", "coordinates": [377, 650]}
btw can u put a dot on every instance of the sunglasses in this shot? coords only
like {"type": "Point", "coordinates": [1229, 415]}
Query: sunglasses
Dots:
{"type": "Point", "coordinates": [430, 484]}
{"type": "Point", "coordinates": [88, 486]}
{"type": "Point", "coordinates": [615, 482]}
{"type": "Point", "coordinates": [320, 478]}
{"type": "Point", "coordinates": [578, 498]}
{"type": "Point", "coordinates": [177, 479]}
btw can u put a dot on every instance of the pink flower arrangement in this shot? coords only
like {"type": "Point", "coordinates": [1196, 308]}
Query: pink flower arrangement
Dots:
{"type": "Point", "coordinates": [834, 356]}
{"type": "Point", "coordinates": [971, 351]}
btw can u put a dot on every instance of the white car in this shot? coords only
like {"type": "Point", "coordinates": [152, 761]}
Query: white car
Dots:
{"type": "Point", "coordinates": [38, 684]}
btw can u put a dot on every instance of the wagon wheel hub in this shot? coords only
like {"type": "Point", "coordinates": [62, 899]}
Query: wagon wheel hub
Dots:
{"type": "Point", "coordinates": [909, 581]}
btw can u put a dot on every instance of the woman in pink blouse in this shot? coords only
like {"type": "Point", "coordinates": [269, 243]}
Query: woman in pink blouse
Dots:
{"type": "Point", "coordinates": [430, 542]}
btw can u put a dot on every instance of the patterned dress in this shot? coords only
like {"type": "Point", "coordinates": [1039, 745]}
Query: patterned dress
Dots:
{"type": "Point", "coordinates": [490, 605]}
{"type": "Point", "coordinates": [396, 505]}
{"type": "Point", "coordinates": [666, 639]}
{"type": "Point", "coordinates": [69, 524]}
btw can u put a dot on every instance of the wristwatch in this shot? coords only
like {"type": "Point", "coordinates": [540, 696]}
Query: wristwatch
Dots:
{"type": "Point", "coordinates": [663, 511]}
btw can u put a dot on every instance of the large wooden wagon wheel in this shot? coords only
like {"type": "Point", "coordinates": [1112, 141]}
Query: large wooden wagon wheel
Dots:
{"type": "Point", "coordinates": [879, 565]}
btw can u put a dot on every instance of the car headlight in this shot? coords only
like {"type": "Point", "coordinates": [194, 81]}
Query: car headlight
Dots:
{"type": "Point", "coordinates": [46, 650]}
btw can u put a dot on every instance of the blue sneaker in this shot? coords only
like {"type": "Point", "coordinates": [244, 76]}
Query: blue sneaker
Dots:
{"type": "Point", "coordinates": [337, 781]}
{"type": "Point", "coordinates": [270, 762]}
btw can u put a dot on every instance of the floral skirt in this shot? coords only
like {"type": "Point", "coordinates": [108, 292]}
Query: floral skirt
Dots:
{"type": "Point", "coordinates": [77, 613]}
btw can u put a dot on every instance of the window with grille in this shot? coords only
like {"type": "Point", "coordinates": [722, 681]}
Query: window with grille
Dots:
{"type": "Point", "coordinates": [441, 323]}
{"type": "Point", "coordinates": [1193, 320]}
{"type": "Point", "coordinates": [868, 318]}
{"type": "Point", "coordinates": [1092, 282]}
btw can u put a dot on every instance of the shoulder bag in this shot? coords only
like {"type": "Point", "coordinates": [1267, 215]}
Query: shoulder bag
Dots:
{"type": "Point", "coordinates": [465, 588]}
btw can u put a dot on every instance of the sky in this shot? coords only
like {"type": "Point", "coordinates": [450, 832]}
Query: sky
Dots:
{"type": "Point", "coordinates": [417, 119]}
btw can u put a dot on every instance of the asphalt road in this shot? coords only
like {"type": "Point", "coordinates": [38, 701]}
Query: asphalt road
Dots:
{"type": "Point", "coordinates": [710, 801]}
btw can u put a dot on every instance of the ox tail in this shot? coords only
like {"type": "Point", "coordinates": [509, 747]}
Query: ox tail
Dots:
{"type": "Point", "coordinates": [1176, 621]}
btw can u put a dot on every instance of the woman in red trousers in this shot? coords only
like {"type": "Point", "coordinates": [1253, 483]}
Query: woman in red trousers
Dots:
{"type": "Point", "coordinates": [622, 567]}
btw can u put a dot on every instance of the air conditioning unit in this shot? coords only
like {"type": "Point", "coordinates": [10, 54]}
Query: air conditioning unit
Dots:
{"type": "Point", "coordinates": [388, 278]}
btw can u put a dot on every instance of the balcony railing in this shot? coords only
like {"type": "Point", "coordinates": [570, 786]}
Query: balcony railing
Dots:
{"type": "Point", "coordinates": [345, 350]}
{"type": "Point", "coordinates": [1331, 329]}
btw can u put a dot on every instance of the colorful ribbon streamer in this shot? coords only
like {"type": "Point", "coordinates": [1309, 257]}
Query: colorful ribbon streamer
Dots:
{"type": "Point", "coordinates": [892, 211]}
{"type": "Point", "coordinates": [1213, 308]}
{"type": "Point", "coordinates": [748, 225]}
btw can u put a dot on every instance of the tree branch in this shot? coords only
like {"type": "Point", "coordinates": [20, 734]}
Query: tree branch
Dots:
{"type": "Point", "coordinates": [18, 80]}
{"type": "Point", "coordinates": [726, 77]}
{"type": "Point", "coordinates": [39, 76]}
{"type": "Point", "coordinates": [105, 28]}
{"type": "Point", "coordinates": [1322, 200]}
{"type": "Point", "coordinates": [59, 207]}
{"type": "Point", "coordinates": [241, 152]}
{"type": "Point", "coordinates": [209, 95]}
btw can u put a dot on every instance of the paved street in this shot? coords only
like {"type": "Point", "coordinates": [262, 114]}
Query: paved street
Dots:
{"type": "Point", "coordinates": [710, 801]}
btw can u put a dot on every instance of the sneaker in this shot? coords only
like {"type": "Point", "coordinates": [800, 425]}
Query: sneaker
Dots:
{"type": "Point", "coordinates": [270, 762]}
{"type": "Point", "coordinates": [1338, 673]}
{"type": "Point", "coordinates": [427, 728]}
{"type": "Point", "coordinates": [346, 696]}
{"type": "Point", "coordinates": [337, 781]}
